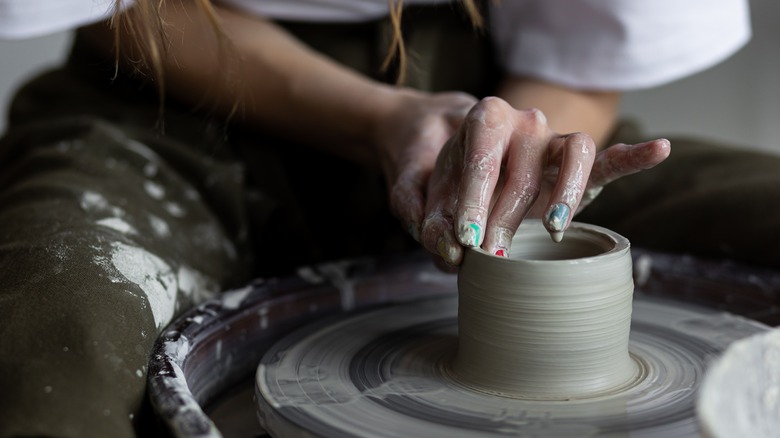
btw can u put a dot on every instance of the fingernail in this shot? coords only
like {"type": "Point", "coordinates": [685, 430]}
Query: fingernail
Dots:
{"type": "Point", "coordinates": [441, 247]}
{"type": "Point", "coordinates": [414, 231]}
{"type": "Point", "coordinates": [557, 217]}
{"type": "Point", "coordinates": [503, 240]}
{"type": "Point", "coordinates": [470, 234]}
{"type": "Point", "coordinates": [447, 250]}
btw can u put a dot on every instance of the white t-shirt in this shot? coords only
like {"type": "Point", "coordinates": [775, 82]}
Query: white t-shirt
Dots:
{"type": "Point", "coordinates": [31, 18]}
{"type": "Point", "coordinates": [592, 44]}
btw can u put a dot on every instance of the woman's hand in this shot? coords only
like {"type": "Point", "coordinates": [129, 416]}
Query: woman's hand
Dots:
{"type": "Point", "coordinates": [504, 164]}
{"type": "Point", "coordinates": [409, 141]}
{"type": "Point", "coordinates": [464, 173]}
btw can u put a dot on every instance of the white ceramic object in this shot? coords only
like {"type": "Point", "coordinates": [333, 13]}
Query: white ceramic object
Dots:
{"type": "Point", "coordinates": [740, 396]}
{"type": "Point", "coordinates": [552, 321]}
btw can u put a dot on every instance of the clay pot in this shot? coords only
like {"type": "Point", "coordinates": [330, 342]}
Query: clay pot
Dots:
{"type": "Point", "coordinates": [550, 322]}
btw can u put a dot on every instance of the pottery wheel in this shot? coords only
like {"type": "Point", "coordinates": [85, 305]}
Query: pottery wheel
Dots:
{"type": "Point", "coordinates": [385, 373]}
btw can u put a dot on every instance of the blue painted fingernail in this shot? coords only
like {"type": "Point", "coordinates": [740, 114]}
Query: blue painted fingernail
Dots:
{"type": "Point", "coordinates": [557, 217]}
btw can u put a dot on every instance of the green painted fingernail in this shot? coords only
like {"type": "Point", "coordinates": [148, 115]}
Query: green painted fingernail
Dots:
{"type": "Point", "coordinates": [470, 234]}
{"type": "Point", "coordinates": [477, 233]}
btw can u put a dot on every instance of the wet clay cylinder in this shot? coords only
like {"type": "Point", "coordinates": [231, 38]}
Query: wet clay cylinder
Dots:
{"type": "Point", "coordinates": [551, 322]}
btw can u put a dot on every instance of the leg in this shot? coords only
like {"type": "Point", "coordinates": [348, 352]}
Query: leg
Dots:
{"type": "Point", "coordinates": [103, 241]}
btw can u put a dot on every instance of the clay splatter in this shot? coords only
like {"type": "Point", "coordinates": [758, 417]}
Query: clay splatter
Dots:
{"type": "Point", "coordinates": [175, 209]}
{"type": "Point", "coordinates": [154, 190]}
{"type": "Point", "coordinates": [159, 226]}
{"type": "Point", "coordinates": [194, 284]}
{"type": "Point", "coordinates": [155, 278]}
{"type": "Point", "coordinates": [117, 224]}
{"type": "Point", "coordinates": [93, 201]}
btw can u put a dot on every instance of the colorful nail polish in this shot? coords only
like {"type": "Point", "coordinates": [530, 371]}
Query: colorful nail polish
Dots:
{"type": "Point", "coordinates": [557, 217]}
{"type": "Point", "coordinates": [470, 234]}
{"type": "Point", "coordinates": [500, 241]}
{"type": "Point", "coordinates": [477, 233]}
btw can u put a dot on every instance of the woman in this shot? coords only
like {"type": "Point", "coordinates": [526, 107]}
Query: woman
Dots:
{"type": "Point", "coordinates": [247, 137]}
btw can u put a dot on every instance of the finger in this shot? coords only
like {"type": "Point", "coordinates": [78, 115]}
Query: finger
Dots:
{"type": "Point", "coordinates": [623, 159]}
{"type": "Point", "coordinates": [437, 235]}
{"type": "Point", "coordinates": [577, 157]}
{"type": "Point", "coordinates": [487, 132]}
{"type": "Point", "coordinates": [521, 187]}
{"type": "Point", "coordinates": [442, 265]}
{"type": "Point", "coordinates": [491, 126]}
{"type": "Point", "coordinates": [407, 201]}
{"type": "Point", "coordinates": [439, 239]}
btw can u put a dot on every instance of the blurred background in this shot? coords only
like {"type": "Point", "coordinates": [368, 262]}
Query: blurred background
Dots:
{"type": "Point", "coordinates": [736, 102]}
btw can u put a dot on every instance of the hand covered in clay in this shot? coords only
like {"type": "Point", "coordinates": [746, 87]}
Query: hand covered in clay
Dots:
{"type": "Point", "coordinates": [502, 165]}
{"type": "Point", "coordinates": [409, 143]}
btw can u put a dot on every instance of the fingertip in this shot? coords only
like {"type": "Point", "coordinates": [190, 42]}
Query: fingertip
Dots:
{"type": "Point", "coordinates": [654, 153]}
{"type": "Point", "coordinates": [469, 234]}
{"type": "Point", "coordinates": [659, 145]}
{"type": "Point", "coordinates": [449, 250]}
{"type": "Point", "coordinates": [443, 266]}
{"type": "Point", "coordinates": [498, 241]}
{"type": "Point", "coordinates": [664, 147]}
{"type": "Point", "coordinates": [438, 238]}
